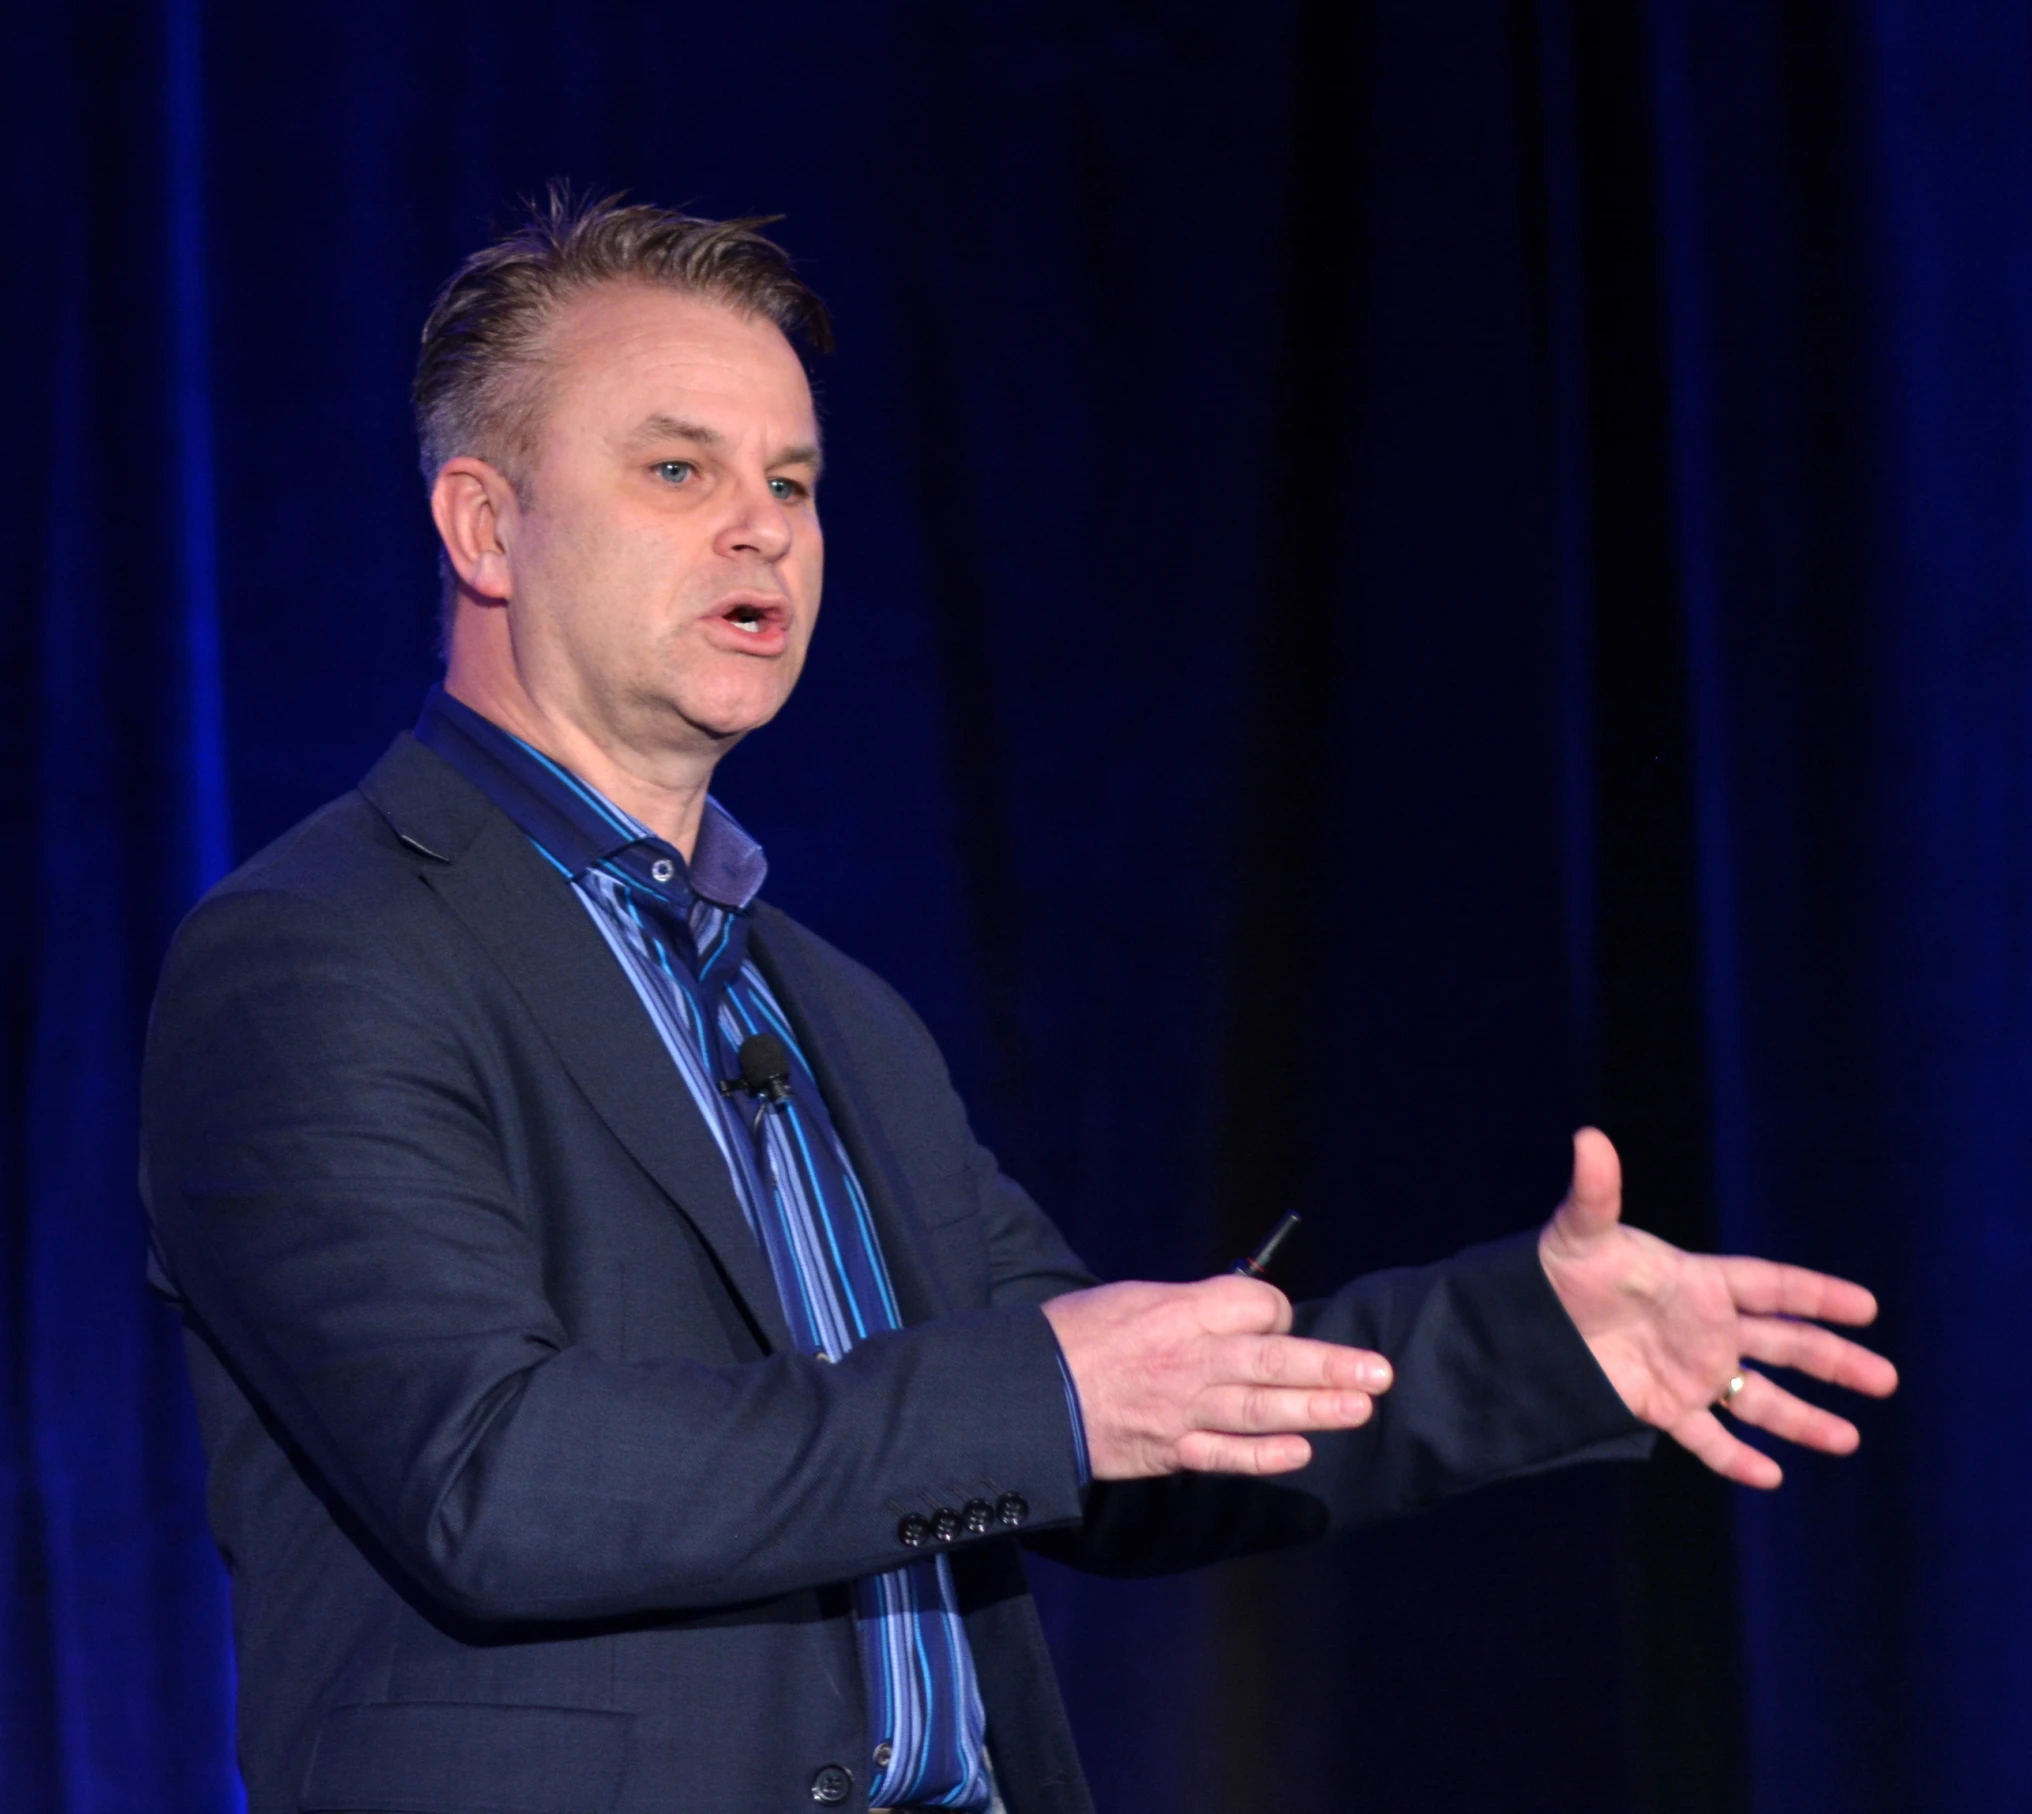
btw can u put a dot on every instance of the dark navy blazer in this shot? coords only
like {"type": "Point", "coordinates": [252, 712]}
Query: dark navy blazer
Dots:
{"type": "Point", "coordinates": [527, 1503]}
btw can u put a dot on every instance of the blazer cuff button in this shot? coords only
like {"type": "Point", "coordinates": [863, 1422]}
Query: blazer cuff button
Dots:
{"type": "Point", "coordinates": [1012, 1508]}
{"type": "Point", "coordinates": [912, 1531]}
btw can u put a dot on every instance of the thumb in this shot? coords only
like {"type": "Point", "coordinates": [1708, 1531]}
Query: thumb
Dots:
{"type": "Point", "coordinates": [1594, 1200]}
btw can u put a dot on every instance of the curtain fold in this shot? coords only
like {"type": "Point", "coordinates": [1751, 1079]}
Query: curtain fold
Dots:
{"type": "Point", "coordinates": [117, 1672]}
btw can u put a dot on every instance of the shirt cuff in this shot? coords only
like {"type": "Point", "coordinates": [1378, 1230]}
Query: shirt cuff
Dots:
{"type": "Point", "coordinates": [1081, 1464]}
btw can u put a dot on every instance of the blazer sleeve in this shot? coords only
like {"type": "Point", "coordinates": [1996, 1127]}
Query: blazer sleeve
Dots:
{"type": "Point", "coordinates": [1493, 1382]}
{"type": "Point", "coordinates": [330, 1200]}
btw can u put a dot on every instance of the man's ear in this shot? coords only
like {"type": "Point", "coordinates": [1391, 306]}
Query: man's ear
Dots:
{"type": "Point", "coordinates": [476, 510]}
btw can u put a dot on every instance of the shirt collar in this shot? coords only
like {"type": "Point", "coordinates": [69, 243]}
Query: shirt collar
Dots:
{"type": "Point", "coordinates": [576, 825]}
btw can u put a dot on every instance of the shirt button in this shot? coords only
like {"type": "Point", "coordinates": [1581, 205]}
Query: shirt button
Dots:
{"type": "Point", "coordinates": [831, 1784]}
{"type": "Point", "coordinates": [883, 1753]}
{"type": "Point", "coordinates": [662, 869]}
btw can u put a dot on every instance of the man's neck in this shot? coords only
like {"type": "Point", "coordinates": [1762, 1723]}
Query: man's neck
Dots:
{"type": "Point", "coordinates": [665, 789]}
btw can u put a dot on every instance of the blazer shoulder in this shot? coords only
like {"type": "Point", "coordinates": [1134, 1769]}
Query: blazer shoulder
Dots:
{"type": "Point", "coordinates": [351, 875]}
{"type": "Point", "coordinates": [366, 844]}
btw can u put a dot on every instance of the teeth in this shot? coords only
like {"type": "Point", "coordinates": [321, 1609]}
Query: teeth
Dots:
{"type": "Point", "coordinates": [753, 625]}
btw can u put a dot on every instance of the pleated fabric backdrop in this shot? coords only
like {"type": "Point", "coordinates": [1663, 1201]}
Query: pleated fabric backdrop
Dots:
{"type": "Point", "coordinates": [1404, 574]}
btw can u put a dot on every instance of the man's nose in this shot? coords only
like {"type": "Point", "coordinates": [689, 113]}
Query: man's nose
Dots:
{"type": "Point", "coordinates": [758, 523]}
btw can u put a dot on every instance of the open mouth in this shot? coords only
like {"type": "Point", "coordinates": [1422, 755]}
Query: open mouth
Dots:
{"type": "Point", "coordinates": [755, 617]}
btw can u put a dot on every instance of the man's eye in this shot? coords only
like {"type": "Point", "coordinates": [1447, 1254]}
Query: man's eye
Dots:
{"type": "Point", "coordinates": [785, 491]}
{"type": "Point", "coordinates": [675, 471]}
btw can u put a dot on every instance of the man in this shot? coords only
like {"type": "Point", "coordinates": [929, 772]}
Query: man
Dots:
{"type": "Point", "coordinates": [626, 1382]}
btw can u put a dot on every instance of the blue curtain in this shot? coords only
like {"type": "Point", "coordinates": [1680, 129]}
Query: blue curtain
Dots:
{"type": "Point", "coordinates": [1403, 574]}
{"type": "Point", "coordinates": [1851, 275]}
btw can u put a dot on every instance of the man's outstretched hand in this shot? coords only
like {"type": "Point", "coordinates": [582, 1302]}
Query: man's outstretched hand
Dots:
{"type": "Point", "coordinates": [1670, 1329]}
{"type": "Point", "coordinates": [1205, 1376]}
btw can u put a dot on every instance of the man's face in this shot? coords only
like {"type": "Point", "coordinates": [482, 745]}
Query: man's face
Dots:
{"type": "Point", "coordinates": [666, 564]}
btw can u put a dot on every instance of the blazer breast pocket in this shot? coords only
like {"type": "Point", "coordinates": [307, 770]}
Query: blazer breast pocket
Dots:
{"type": "Point", "coordinates": [446, 1757]}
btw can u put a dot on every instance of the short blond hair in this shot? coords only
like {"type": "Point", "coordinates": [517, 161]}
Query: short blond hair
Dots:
{"type": "Point", "coordinates": [479, 386]}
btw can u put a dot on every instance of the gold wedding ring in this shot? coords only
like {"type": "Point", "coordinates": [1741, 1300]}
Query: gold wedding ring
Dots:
{"type": "Point", "coordinates": [1730, 1391]}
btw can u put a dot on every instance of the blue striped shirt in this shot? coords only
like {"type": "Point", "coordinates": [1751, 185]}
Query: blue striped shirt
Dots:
{"type": "Point", "coordinates": [678, 932]}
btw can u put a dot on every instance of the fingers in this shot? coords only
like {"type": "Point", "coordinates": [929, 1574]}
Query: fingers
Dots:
{"type": "Point", "coordinates": [1295, 1360]}
{"type": "Point", "coordinates": [1780, 1342]}
{"type": "Point", "coordinates": [1240, 1410]}
{"type": "Point", "coordinates": [1218, 1452]}
{"type": "Point", "coordinates": [1204, 1376]}
{"type": "Point", "coordinates": [1594, 1200]}
{"type": "Point", "coordinates": [1285, 1384]}
{"type": "Point", "coordinates": [1701, 1434]}
{"type": "Point", "coordinates": [1766, 1288]}
{"type": "Point", "coordinates": [1262, 1390]}
{"type": "Point", "coordinates": [1769, 1406]}
{"type": "Point", "coordinates": [1231, 1304]}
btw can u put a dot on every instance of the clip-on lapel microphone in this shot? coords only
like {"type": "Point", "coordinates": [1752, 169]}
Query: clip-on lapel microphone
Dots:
{"type": "Point", "coordinates": [765, 1074]}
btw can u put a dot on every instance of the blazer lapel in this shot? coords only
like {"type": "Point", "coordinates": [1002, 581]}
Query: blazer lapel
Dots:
{"type": "Point", "coordinates": [530, 922]}
{"type": "Point", "coordinates": [919, 1294]}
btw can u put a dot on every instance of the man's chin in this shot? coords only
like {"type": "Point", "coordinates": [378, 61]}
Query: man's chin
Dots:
{"type": "Point", "coordinates": [724, 722]}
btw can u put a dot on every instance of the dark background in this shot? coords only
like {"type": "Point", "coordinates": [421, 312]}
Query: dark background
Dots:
{"type": "Point", "coordinates": [1404, 575]}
